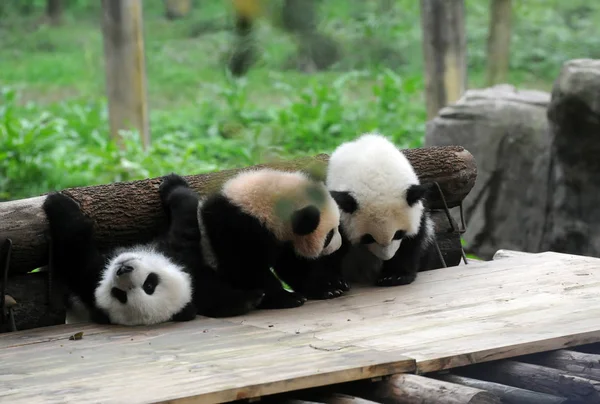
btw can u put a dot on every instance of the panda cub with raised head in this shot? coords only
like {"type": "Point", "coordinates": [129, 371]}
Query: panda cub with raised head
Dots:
{"type": "Point", "coordinates": [141, 284]}
{"type": "Point", "coordinates": [384, 225]}
{"type": "Point", "coordinates": [382, 205]}
{"type": "Point", "coordinates": [257, 216]}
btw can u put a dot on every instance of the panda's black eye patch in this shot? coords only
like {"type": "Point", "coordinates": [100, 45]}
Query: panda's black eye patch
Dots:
{"type": "Point", "coordinates": [328, 238]}
{"type": "Point", "coordinates": [399, 235]}
{"type": "Point", "coordinates": [367, 239]}
{"type": "Point", "coordinates": [119, 294]}
{"type": "Point", "coordinates": [150, 283]}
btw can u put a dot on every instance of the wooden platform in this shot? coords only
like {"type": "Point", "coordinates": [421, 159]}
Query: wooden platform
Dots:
{"type": "Point", "coordinates": [447, 318]}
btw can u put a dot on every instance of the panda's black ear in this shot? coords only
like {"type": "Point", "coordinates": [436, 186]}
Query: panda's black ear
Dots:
{"type": "Point", "coordinates": [345, 201]}
{"type": "Point", "coordinates": [306, 220]}
{"type": "Point", "coordinates": [415, 193]}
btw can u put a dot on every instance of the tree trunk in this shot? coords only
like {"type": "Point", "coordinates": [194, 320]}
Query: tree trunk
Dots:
{"type": "Point", "coordinates": [498, 46]}
{"type": "Point", "coordinates": [54, 11]}
{"type": "Point", "coordinates": [130, 211]}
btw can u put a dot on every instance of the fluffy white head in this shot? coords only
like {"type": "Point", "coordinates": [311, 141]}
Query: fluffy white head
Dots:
{"type": "Point", "coordinates": [374, 185]}
{"type": "Point", "coordinates": [141, 286]}
{"type": "Point", "coordinates": [292, 206]}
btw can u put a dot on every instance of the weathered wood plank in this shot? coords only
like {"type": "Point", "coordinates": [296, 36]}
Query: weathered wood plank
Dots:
{"type": "Point", "coordinates": [414, 389]}
{"type": "Point", "coordinates": [202, 361]}
{"type": "Point", "coordinates": [500, 254]}
{"type": "Point", "coordinates": [130, 211]}
{"type": "Point", "coordinates": [462, 315]}
{"type": "Point", "coordinates": [508, 394]}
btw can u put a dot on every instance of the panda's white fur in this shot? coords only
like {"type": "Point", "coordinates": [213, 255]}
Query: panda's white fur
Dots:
{"type": "Point", "coordinates": [377, 175]}
{"type": "Point", "coordinates": [172, 293]}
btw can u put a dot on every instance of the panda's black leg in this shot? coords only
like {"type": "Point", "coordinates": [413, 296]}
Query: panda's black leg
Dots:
{"type": "Point", "coordinates": [324, 279]}
{"type": "Point", "coordinates": [402, 268]}
{"type": "Point", "coordinates": [186, 314]}
{"type": "Point", "coordinates": [276, 297]}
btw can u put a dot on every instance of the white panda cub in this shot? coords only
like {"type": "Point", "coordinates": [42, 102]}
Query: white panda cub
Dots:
{"type": "Point", "coordinates": [382, 205]}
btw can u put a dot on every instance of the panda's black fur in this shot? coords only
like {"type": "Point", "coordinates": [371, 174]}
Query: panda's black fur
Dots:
{"type": "Point", "coordinates": [105, 284]}
{"type": "Point", "coordinates": [245, 232]}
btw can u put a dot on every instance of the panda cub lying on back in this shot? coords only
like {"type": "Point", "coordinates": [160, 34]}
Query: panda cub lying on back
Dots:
{"type": "Point", "coordinates": [141, 284]}
{"type": "Point", "coordinates": [382, 211]}
{"type": "Point", "coordinates": [260, 215]}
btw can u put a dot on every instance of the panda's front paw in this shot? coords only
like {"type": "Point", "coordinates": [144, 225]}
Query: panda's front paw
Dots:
{"type": "Point", "coordinates": [169, 183]}
{"type": "Point", "coordinates": [396, 280]}
{"type": "Point", "coordinates": [282, 300]}
{"type": "Point", "coordinates": [325, 286]}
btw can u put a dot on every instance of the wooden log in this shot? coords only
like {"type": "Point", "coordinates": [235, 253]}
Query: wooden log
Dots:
{"type": "Point", "coordinates": [502, 254]}
{"type": "Point", "coordinates": [537, 378]}
{"type": "Point", "coordinates": [508, 394]}
{"type": "Point", "coordinates": [130, 211]}
{"type": "Point", "coordinates": [410, 388]}
{"type": "Point", "coordinates": [498, 45]}
{"type": "Point", "coordinates": [444, 52]}
{"type": "Point", "coordinates": [122, 31]}
{"type": "Point", "coordinates": [578, 363]}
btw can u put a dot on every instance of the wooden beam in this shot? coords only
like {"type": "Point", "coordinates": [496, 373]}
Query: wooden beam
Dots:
{"type": "Point", "coordinates": [537, 378]}
{"type": "Point", "coordinates": [444, 52]}
{"type": "Point", "coordinates": [414, 389]}
{"type": "Point", "coordinates": [578, 363]}
{"type": "Point", "coordinates": [508, 394]}
{"type": "Point", "coordinates": [122, 31]}
{"type": "Point", "coordinates": [498, 45]}
{"type": "Point", "coordinates": [130, 211]}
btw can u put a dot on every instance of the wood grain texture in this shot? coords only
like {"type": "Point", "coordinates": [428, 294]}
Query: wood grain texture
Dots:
{"type": "Point", "coordinates": [581, 364]}
{"type": "Point", "coordinates": [202, 361]}
{"type": "Point", "coordinates": [462, 315]}
{"type": "Point", "coordinates": [125, 212]}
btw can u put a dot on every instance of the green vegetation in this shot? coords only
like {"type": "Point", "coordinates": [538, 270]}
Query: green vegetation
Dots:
{"type": "Point", "coordinates": [53, 118]}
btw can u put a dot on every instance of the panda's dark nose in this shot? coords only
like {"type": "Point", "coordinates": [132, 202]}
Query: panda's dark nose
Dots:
{"type": "Point", "coordinates": [124, 269]}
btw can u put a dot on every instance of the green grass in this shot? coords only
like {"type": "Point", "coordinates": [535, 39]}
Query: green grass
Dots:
{"type": "Point", "coordinates": [53, 118]}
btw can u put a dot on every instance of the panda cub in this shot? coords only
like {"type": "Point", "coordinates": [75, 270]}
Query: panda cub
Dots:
{"type": "Point", "coordinates": [384, 225]}
{"type": "Point", "coordinates": [142, 284]}
{"type": "Point", "coordinates": [257, 216]}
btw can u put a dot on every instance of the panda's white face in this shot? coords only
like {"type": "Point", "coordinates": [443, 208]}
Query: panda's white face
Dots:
{"type": "Point", "coordinates": [140, 286]}
{"type": "Point", "coordinates": [378, 192]}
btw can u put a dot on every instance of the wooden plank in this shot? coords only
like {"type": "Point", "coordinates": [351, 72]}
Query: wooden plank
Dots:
{"type": "Point", "coordinates": [462, 315]}
{"type": "Point", "coordinates": [202, 361]}
{"type": "Point", "coordinates": [500, 254]}
{"type": "Point", "coordinates": [444, 52]}
{"type": "Point", "coordinates": [122, 31]}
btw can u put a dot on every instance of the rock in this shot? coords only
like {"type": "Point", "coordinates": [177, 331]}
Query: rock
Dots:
{"type": "Point", "coordinates": [574, 114]}
{"type": "Point", "coordinates": [507, 132]}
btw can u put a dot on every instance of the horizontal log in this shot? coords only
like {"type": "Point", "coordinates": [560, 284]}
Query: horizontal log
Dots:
{"type": "Point", "coordinates": [538, 378]}
{"type": "Point", "coordinates": [581, 364]}
{"type": "Point", "coordinates": [125, 212]}
{"type": "Point", "coordinates": [414, 389]}
{"type": "Point", "coordinates": [508, 394]}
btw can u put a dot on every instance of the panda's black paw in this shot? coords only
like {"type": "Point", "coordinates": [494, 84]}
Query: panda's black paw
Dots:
{"type": "Point", "coordinates": [234, 303]}
{"type": "Point", "coordinates": [326, 286]}
{"type": "Point", "coordinates": [169, 183]}
{"type": "Point", "coordinates": [396, 280]}
{"type": "Point", "coordinates": [282, 300]}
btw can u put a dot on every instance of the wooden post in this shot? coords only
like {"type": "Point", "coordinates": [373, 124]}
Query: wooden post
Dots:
{"type": "Point", "coordinates": [122, 29]}
{"type": "Point", "coordinates": [498, 44]}
{"type": "Point", "coordinates": [175, 9]}
{"type": "Point", "coordinates": [444, 52]}
{"type": "Point", "coordinates": [54, 10]}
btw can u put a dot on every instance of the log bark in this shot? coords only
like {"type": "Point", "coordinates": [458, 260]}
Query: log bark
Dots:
{"type": "Point", "coordinates": [413, 389]}
{"type": "Point", "coordinates": [538, 378]}
{"type": "Point", "coordinates": [508, 394]}
{"type": "Point", "coordinates": [130, 211]}
{"type": "Point", "coordinates": [578, 363]}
